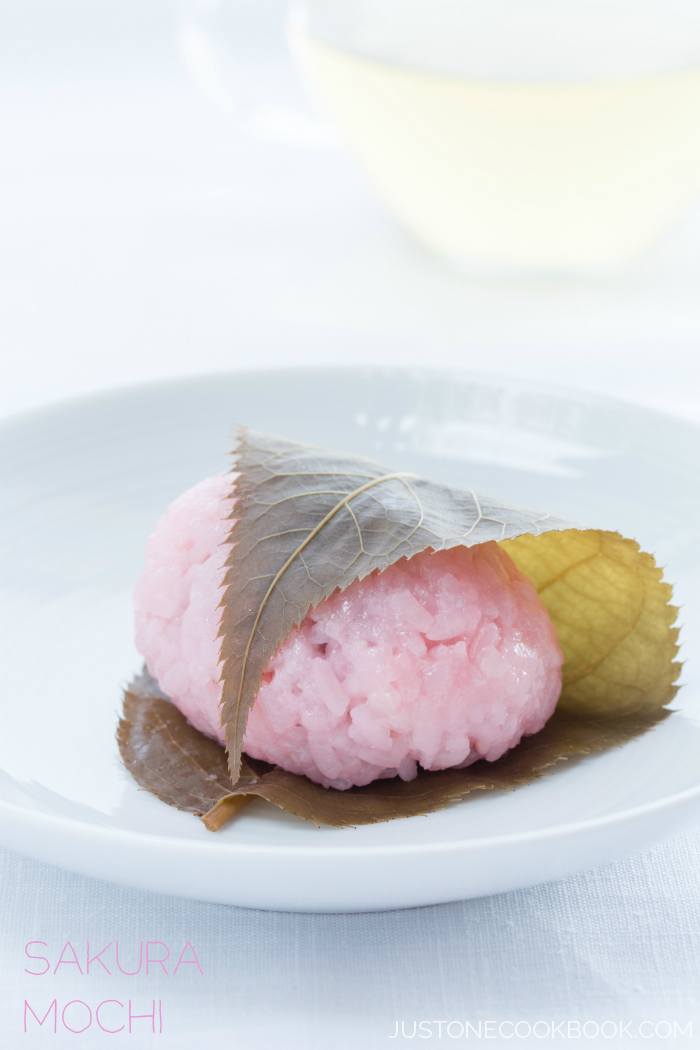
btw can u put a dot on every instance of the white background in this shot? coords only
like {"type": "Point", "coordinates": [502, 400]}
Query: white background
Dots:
{"type": "Point", "coordinates": [170, 204]}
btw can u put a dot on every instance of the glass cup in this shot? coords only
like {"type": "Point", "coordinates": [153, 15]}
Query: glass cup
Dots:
{"type": "Point", "coordinates": [516, 135]}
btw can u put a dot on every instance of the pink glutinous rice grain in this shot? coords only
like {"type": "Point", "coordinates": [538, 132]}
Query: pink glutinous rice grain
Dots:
{"type": "Point", "coordinates": [438, 661]}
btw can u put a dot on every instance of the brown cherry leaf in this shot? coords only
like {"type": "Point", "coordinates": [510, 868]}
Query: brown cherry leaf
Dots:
{"type": "Point", "coordinates": [169, 757]}
{"type": "Point", "coordinates": [310, 522]}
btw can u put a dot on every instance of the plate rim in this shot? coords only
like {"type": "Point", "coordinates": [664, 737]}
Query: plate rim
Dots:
{"type": "Point", "coordinates": [413, 372]}
{"type": "Point", "coordinates": [55, 821]}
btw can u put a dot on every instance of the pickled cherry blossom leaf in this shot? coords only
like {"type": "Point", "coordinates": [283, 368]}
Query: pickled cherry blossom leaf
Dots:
{"type": "Point", "coordinates": [170, 758]}
{"type": "Point", "coordinates": [612, 613]}
{"type": "Point", "coordinates": [307, 522]}
{"type": "Point", "coordinates": [310, 522]}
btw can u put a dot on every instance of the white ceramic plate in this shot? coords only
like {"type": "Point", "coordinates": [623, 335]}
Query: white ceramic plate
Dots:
{"type": "Point", "coordinates": [80, 487]}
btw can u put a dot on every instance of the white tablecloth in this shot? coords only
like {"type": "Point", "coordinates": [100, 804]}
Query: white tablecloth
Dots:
{"type": "Point", "coordinates": [170, 205]}
{"type": "Point", "coordinates": [619, 945]}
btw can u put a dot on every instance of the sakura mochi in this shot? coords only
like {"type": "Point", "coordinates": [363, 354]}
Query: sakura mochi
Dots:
{"type": "Point", "coordinates": [341, 639]}
{"type": "Point", "coordinates": [439, 660]}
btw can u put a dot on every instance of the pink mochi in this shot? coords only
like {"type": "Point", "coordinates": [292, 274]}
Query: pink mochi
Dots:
{"type": "Point", "coordinates": [436, 662]}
